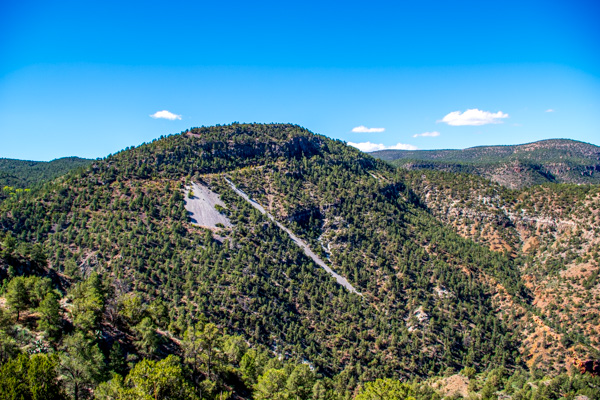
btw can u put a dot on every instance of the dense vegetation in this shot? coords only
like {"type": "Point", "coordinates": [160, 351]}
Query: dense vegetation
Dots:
{"type": "Point", "coordinates": [22, 174]}
{"type": "Point", "coordinates": [111, 288]}
{"type": "Point", "coordinates": [552, 232]}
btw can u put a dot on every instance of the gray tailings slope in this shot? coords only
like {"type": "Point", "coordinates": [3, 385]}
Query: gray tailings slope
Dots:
{"type": "Point", "coordinates": [302, 244]}
{"type": "Point", "coordinates": [202, 207]}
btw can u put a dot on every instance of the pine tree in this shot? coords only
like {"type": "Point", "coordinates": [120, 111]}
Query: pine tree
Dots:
{"type": "Point", "coordinates": [16, 296]}
{"type": "Point", "coordinates": [81, 364]}
{"type": "Point", "coordinates": [49, 310]}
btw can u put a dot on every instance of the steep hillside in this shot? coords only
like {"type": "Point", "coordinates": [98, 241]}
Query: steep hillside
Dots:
{"type": "Point", "coordinates": [552, 232]}
{"type": "Point", "coordinates": [555, 160]}
{"type": "Point", "coordinates": [124, 218]}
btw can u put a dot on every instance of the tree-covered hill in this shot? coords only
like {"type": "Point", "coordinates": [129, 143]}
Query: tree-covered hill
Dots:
{"type": "Point", "coordinates": [134, 278]}
{"type": "Point", "coordinates": [23, 174]}
{"type": "Point", "coordinates": [518, 166]}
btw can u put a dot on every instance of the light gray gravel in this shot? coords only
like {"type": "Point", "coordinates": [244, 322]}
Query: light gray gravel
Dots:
{"type": "Point", "coordinates": [202, 209]}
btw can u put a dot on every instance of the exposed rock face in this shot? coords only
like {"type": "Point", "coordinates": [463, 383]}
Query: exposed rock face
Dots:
{"type": "Point", "coordinates": [201, 203]}
{"type": "Point", "coordinates": [589, 366]}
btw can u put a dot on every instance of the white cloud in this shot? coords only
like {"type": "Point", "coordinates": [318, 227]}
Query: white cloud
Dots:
{"type": "Point", "coordinates": [473, 117]}
{"type": "Point", "coordinates": [549, 110]}
{"type": "Point", "coordinates": [165, 115]}
{"type": "Point", "coordinates": [402, 146]}
{"type": "Point", "coordinates": [364, 129]}
{"type": "Point", "coordinates": [368, 146]}
{"type": "Point", "coordinates": [427, 134]}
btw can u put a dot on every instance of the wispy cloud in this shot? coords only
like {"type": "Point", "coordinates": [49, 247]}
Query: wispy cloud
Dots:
{"type": "Point", "coordinates": [165, 115]}
{"type": "Point", "coordinates": [368, 146]}
{"type": "Point", "coordinates": [473, 117]}
{"type": "Point", "coordinates": [364, 129]}
{"type": "Point", "coordinates": [427, 134]}
{"type": "Point", "coordinates": [549, 110]}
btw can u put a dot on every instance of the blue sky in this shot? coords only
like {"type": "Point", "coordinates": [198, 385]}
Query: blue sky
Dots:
{"type": "Point", "coordinates": [83, 77]}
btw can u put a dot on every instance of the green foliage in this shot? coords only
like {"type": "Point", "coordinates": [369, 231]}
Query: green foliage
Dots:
{"type": "Point", "coordinates": [125, 218]}
{"type": "Point", "coordinates": [252, 365]}
{"type": "Point", "coordinates": [159, 313]}
{"type": "Point", "coordinates": [32, 378]}
{"type": "Point", "coordinates": [203, 348]}
{"type": "Point", "coordinates": [23, 174]}
{"type": "Point", "coordinates": [50, 319]}
{"type": "Point", "coordinates": [390, 389]}
{"type": "Point", "coordinates": [23, 293]}
{"type": "Point", "coordinates": [42, 374]}
{"type": "Point", "coordinates": [88, 303]}
{"type": "Point", "coordinates": [117, 363]}
{"type": "Point", "coordinates": [468, 372]}
{"type": "Point", "coordinates": [8, 346]}
{"type": "Point", "coordinates": [148, 339]}
{"type": "Point", "coordinates": [17, 298]}
{"type": "Point", "coordinates": [151, 380]}
{"type": "Point", "coordinates": [235, 347]}
{"type": "Point", "coordinates": [300, 382]}
{"type": "Point", "coordinates": [291, 382]}
{"type": "Point", "coordinates": [522, 385]}
{"type": "Point", "coordinates": [81, 365]}
{"type": "Point", "coordinates": [37, 288]}
{"type": "Point", "coordinates": [131, 308]}
{"type": "Point", "coordinates": [271, 385]}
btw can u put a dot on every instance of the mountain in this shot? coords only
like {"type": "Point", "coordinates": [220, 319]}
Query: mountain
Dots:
{"type": "Point", "coordinates": [25, 174]}
{"type": "Point", "coordinates": [301, 251]}
{"type": "Point", "coordinates": [554, 160]}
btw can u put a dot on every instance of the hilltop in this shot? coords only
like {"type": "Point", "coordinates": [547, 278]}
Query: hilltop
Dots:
{"type": "Point", "coordinates": [517, 166]}
{"type": "Point", "coordinates": [26, 174]}
{"type": "Point", "coordinates": [272, 208]}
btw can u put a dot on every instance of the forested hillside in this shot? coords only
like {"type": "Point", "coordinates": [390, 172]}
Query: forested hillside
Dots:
{"type": "Point", "coordinates": [519, 166]}
{"type": "Point", "coordinates": [16, 176]}
{"type": "Point", "coordinates": [552, 232]}
{"type": "Point", "coordinates": [108, 284]}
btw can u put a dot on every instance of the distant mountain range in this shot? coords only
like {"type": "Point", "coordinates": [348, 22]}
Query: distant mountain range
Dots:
{"type": "Point", "coordinates": [25, 174]}
{"type": "Point", "coordinates": [517, 166]}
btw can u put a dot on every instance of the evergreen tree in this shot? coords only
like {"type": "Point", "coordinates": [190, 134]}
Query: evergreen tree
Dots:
{"type": "Point", "coordinates": [148, 339]}
{"type": "Point", "coordinates": [32, 378]}
{"type": "Point", "coordinates": [49, 321]}
{"type": "Point", "coordinates": [81, 365]}
{"type": "Point", "coordinates": [88, 303]}
{"type": "Point", "coordinates": [17, 298]}
{"type": "Point", "coordinates": [271, 385]}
